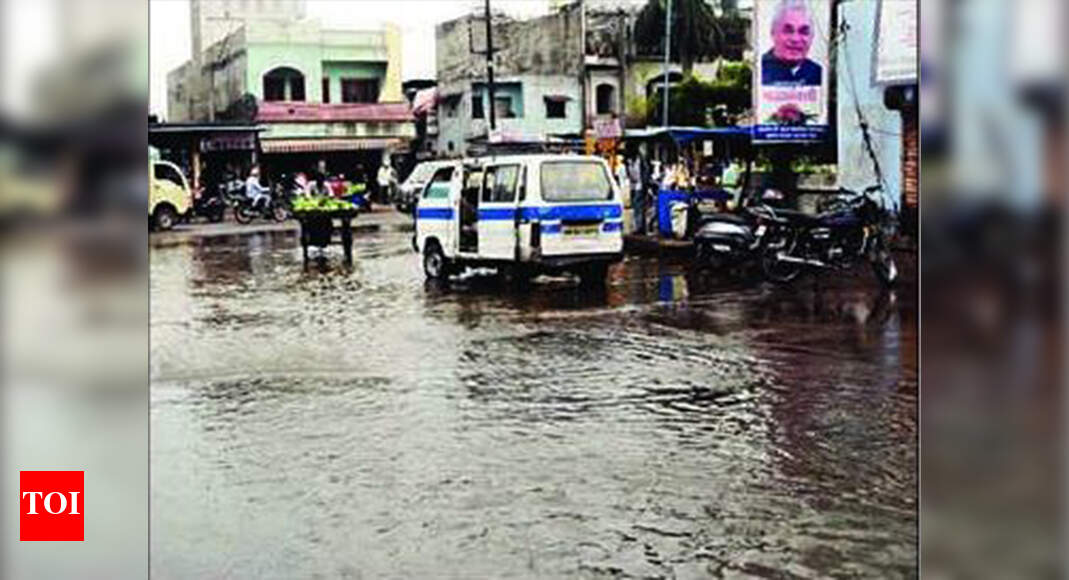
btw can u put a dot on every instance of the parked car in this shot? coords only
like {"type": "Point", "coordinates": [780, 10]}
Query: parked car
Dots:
{"type": "Point", "coordinates": [169, 197]}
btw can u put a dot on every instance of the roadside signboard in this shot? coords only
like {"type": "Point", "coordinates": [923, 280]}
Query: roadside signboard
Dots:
{"type": "Point", "coordinates": [896, 43]}
{"type": "Point", "coordinates": [608, 128]}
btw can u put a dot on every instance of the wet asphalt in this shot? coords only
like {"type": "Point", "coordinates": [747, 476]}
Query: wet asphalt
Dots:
{"type": "Point", "coordinates": [361, 423]}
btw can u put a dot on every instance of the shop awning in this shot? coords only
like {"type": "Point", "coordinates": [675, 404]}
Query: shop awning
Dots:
{"type": "Point", "coordinates": [557, 98]}
{"type": "Point", "coordinates": [316, 145]}
{"type": "Point", "coordinates": [687, 134]}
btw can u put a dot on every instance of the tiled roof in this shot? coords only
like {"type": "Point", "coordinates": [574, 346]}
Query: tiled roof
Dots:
{"type": "Point", "coordinates": [279, 111]}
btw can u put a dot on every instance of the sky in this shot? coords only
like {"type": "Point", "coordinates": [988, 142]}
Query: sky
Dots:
{"type": "Point", "coordinates": [169, 30]}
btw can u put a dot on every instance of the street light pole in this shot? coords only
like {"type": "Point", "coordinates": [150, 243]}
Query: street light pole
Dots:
{"type": "Point", "coordinates": [667, 52]}
{"type": "Point", "coordinates": [490, 68]}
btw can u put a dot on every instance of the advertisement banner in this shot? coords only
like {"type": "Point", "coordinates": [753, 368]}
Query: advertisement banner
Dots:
{"type": "Point", "coordinates": [896, 43]}
{"type": "Point", "coordinates": [791, 73]}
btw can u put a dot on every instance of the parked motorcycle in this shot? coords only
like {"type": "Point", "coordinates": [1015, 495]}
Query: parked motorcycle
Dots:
{"type": "Point", "coordinates": [231, 190]}
{"type": "Point", "coordinates": [208, 203]}
{"type": "Point", "coordinates": [732, 239]}
{"type": "Point", "coordinates": [853, 227]}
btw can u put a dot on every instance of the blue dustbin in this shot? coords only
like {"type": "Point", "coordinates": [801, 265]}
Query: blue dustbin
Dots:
{"type": "Point", "coordinates": [358, 200]}
{"type": "Point", "coordinates": [665, 199]}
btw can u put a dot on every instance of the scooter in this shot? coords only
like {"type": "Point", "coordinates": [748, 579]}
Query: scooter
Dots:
{"type": "Point", "coordinates": [732, 239]}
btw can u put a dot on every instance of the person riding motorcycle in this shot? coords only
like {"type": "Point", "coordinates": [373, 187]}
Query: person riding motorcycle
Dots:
{"type": "Point", "coordinates": [256, 193]}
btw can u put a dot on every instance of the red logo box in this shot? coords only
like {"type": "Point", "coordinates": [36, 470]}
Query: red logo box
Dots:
{"type": "Point", "coordinates": [51, 506]}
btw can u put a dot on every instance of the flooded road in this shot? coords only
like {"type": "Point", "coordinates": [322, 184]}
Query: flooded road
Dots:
{"type": "Point", "coordinates": [362, 424]}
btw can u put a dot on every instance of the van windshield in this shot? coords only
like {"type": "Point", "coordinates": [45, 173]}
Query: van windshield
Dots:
{"type": "Point", "coordinates": [575, 181]}
{"type": "Point", "coordinates": [420, 174]}
{"type": "Point", "coordinates": [162, 172]}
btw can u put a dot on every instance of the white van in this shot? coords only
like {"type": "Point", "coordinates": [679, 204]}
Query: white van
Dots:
{"type": "Point", "coordinates": [409, 191]}
{"type": "Point", "coordinates": [524, 213]}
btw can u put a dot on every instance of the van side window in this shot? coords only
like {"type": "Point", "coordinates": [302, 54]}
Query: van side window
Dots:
{"type": "Point", "coordinates": [501, 184]}
{"type": "Point", "coordinates": [438, 186]}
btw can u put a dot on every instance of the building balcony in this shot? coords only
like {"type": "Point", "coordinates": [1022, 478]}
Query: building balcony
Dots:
{"type": "Point", "coordinates": [302, 112]}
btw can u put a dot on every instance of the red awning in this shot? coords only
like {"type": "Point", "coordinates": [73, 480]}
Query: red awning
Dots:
{"type": "Point", "coordinates": [280, 111]}
{"type": "Point", "coordinates": [317, 145]}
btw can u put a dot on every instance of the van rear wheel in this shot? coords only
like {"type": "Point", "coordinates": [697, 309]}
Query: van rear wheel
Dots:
{"type": "Point", "coordinates": [435, 265]}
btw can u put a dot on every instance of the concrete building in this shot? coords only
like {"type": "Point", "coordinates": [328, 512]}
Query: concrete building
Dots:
{"type": "Point", "coordinates": [560, 75]}
{"type": "Point", "coordinates": [537, 73]}
{"type": "Point", "coordinates": [890, 110]}
{"type": "Point", "coordinates": [320, 93]}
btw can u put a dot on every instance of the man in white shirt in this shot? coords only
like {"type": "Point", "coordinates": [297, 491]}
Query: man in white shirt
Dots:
{"type": "Point", "coordinates": [254, 191]}
{"type": "Point", "coordinates": [387, 178]}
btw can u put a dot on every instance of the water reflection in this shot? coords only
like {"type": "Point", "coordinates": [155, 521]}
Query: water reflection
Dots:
{"type": "Point", "coordinates": [673, 423]}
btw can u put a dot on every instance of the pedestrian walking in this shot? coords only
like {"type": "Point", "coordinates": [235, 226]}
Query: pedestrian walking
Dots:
{"type": "Point", "coordinates": [387, 178]}
{"type": "Point", "coordinates": [638, 194]}
{"type": "Point", "coordinates": [621, 177]}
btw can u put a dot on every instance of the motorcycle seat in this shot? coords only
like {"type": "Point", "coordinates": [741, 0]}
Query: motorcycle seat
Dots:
{"type": "Point", "coordinates": [799, 217]}
{"type": "Point", "coordinates": [724, 217]}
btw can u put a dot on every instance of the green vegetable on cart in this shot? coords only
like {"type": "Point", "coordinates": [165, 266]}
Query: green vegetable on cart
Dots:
{"type": "Point", "coordinates": [320, 204]}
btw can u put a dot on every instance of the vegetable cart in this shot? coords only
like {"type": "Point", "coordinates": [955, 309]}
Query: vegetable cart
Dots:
{"type": "Point", "coordinates": [317, 218]}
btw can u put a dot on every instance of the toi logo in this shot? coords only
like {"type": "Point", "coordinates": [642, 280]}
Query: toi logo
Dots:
{"type": "Point", "coordinates": [51, 506]}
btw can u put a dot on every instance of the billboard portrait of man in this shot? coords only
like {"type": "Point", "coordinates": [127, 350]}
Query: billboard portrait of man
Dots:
{"type": "Point", "coordinates": [791, 80]}
{"type": "Point", "coordinates": [788, 62]}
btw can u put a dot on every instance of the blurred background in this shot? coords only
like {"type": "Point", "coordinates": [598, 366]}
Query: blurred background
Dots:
{"type": "Point", "coordinates": [73, 182]}
{"type": "Point", "coordinates": [73, 196]}
{"type": "Point", "coordinates": [993, 255]}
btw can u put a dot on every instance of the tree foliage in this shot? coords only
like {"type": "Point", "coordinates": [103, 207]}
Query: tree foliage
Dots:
{"type": "Point", "coordinates": [697, 103]}
{"type": "Point", "coordinates": [696, 32]}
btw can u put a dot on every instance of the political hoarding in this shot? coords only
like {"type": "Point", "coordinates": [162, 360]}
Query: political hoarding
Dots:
{"type": "Point", "coordinates": [791, 77]}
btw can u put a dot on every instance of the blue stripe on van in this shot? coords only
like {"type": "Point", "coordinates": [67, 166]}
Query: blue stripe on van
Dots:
{"type": "Point", "coordinates": [572, 212]}
{"type": "Point", "coordinates": [545, 213]}
{"type": "Point", "coordinates": [551, 228]}
{"type": "Point", "coordinates": [497, 213]}
{"type": "Point", "coordinates": [612, 227]}
{"type": "Point", "coordinates": [435, 213]}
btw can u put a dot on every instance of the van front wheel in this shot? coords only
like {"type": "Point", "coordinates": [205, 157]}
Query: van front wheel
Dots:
{"type": "Point", "coordinates": [435, 265]}
{"type": "Point", "coordinates": [164, 217]}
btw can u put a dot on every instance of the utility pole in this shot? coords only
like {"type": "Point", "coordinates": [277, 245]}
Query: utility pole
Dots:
{"type": "Point", "coordinates": [667, 52]}
{"type": "Point", "coordinates": [584, 106]}
{"type": "Point", "coordinates": [490, 68]}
